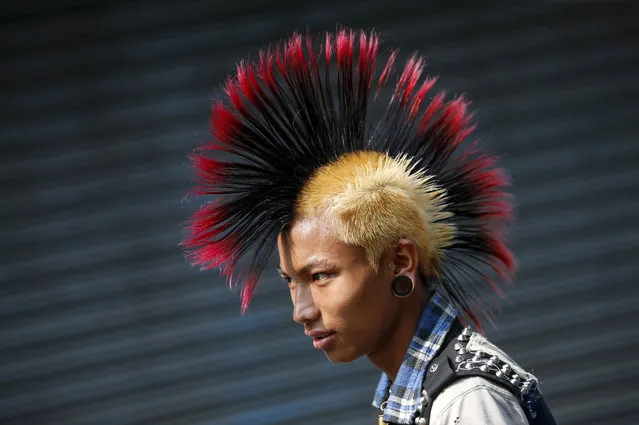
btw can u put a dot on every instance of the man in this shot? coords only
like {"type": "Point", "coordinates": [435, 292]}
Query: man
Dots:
{"type": "Point", "coordinates": [386, 229]}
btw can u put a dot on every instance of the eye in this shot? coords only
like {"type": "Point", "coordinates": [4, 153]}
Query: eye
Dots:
{"type": "Point", "coordinates": [320, 276]}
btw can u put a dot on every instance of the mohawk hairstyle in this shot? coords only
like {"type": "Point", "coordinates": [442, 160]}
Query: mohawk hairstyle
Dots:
{"type": "Point", "coordinates": [289, 120]}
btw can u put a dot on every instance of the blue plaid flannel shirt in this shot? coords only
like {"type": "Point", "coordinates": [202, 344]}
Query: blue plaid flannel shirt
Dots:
{"type": "Point", "coordinates": [404, 395]}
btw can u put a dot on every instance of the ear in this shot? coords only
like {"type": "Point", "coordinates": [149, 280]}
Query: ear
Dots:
{"type": "Point", "coordinates": [406, 257]}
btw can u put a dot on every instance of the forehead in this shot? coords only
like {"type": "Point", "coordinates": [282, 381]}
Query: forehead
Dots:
{"type": "Point", "coordinates": [314, 239]}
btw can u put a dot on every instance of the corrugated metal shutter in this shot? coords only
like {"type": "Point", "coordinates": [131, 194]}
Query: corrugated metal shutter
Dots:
{"type": "Point", "coordinates": [102, 320]}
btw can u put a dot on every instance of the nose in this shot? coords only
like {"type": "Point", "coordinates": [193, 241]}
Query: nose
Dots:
{"type": "Point", "coordinates": [304, 308]}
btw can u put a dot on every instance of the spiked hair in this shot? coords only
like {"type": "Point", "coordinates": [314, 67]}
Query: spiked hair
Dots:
{"type": "Point", "coordinates": [296, 130]}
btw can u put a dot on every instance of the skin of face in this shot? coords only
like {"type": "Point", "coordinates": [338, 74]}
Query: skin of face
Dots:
{"type": "Point", "coordinates": [334, 288]}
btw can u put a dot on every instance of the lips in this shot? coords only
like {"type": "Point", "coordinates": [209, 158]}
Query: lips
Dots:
{"type": "Point", "coordinates": [322, 335]}
{"type": "Point", "coordinates": [322, 340]}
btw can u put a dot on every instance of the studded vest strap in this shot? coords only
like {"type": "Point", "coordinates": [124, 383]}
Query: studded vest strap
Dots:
{"type": "Point", "coordinates": [458, 358]}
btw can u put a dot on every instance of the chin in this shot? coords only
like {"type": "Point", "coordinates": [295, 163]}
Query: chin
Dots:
{"type": "Point", "coordinates": [337, 356]}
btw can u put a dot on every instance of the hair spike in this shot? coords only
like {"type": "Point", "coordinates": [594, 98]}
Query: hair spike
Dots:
{"type": "Point", "coordinates": [282, 119]}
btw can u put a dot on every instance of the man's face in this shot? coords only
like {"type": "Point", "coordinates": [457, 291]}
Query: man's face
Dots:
{"type": "Point", "coordinates": [342, 301]}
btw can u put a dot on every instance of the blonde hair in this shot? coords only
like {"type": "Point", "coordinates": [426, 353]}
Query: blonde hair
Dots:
{"type": "Point", "coordinates": [376, 200]}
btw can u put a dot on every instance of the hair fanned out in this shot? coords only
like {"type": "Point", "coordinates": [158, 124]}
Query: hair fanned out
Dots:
{"type": "Point", "coordinates": [305, 104]}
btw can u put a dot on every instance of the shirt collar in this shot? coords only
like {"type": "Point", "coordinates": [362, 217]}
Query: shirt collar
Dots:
{"type": "Point", "coordinates": [428, 338]}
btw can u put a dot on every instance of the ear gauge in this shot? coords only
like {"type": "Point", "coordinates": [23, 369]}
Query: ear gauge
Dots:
{"type": "Point", "coordinates": [402, 286]}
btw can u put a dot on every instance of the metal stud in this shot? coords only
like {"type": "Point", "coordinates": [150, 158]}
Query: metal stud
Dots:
{"type": "Point", "coordinates": [515, 379]}
{"type": "Point", "coordinates": [462, 337]}
{"type": "Point", "coordinates": [494, 359]}
{"type": "Point", "coordinates": [468, 366]}
{"type": "Point", "coordinates": [424, 401]}
{"type": "Point", "coordinates": [459, 359]}
{"type": "Point", "coordinates": [467, 331]}
{"type": "Point", "coordinates": [505, 369]}
{"type": "Point", "coordinates": [463, 352]}
{"type": "Point", "coordinates": [420, 421]}
{"type": "Point", "coordinates": [458, 346]}
{"type": "Point", "coordinates": [500, 374]}
{"type": "Point", "coordinates": [484, 368]}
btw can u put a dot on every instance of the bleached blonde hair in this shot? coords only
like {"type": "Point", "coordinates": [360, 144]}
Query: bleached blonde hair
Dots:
{"type": "Point", "coordinates": [375, 200]}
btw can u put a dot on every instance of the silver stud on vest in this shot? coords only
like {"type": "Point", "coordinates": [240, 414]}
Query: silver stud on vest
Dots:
{"type": "Point", "coordinates": [424, 400]}
{"type": "Point", "coordinates": [515, 379]}
{"type": "Point", "coordinates": [468, 360]}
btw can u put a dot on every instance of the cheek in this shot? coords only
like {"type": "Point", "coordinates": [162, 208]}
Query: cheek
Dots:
{"type": "Point", "coordinates": [356, 303]}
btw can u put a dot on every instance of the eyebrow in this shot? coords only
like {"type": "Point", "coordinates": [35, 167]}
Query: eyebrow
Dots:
{"type": "Point", "coordinates": [313, 263]}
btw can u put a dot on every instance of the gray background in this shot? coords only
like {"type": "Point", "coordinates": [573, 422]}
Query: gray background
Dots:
{"type": "Point", "coordinates": [103, 322]}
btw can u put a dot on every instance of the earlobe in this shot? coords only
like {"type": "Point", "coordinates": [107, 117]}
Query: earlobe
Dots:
{"type": "Point", "coordinates": [402, 285]}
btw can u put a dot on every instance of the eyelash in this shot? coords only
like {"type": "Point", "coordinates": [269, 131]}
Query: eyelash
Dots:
{"type": "Point", "coordinates": [317, 274]}
{"type": "Point", "coordinates": [314, 277]}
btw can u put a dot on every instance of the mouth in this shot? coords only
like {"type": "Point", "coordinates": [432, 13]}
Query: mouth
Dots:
{"type": "Point", "coordinates": [324, 341]}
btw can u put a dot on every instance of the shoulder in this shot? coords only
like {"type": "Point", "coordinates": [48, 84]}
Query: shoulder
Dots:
{"type": "Point", "coordinates": [476, 400]}
{"type": "Point", "coordinates": [488, 388]}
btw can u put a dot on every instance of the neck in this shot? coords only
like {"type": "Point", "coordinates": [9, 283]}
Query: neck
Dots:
{"type": "Point", "coordinates": [390, 356]}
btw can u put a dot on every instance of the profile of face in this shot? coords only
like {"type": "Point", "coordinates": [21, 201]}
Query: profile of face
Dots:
{"type": "Point", "coordinates": [344, 304]}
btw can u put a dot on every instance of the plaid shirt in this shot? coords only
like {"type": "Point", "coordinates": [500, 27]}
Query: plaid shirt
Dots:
{"type": "Point", "coordinates": [405, 392]}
